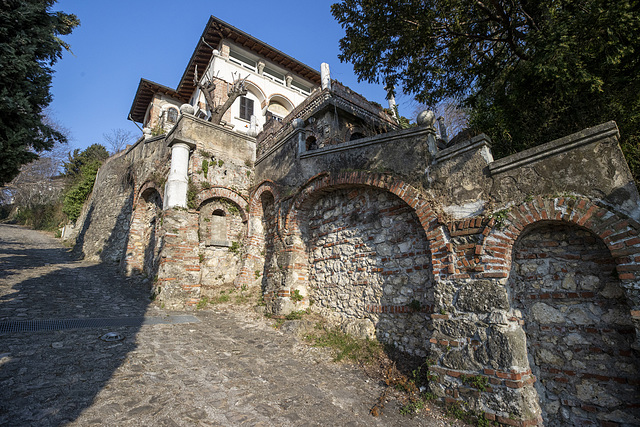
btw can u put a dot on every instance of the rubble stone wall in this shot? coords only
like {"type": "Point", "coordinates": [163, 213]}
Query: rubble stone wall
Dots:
{"type": "Point", "coordinates": [578, 326]}
{"type": "Point", "coordinates": [370, 266]}
{"type": "Point", "coordinates": [520, 294]}
{"type": "Point", "coordinates": [102, 231]}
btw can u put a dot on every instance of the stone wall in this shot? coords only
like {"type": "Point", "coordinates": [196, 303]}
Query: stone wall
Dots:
{"type": "Point", "coordinates": [519, 279]}
{"type": "Point", "coordinates": [102, 231]}
{"type": "Point", "coordinates": [370, 267]}
{"type": "Point", "coordinates": [446, 238]}
{"type": "Point", "coordinates": [578, 326]}
{"type": "Point", "coordinates": [222, 233]}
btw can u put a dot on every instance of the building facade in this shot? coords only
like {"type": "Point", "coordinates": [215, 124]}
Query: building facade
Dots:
{"type": "Point", "coordinates": [520, 274]}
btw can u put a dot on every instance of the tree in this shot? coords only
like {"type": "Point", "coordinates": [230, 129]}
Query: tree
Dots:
{"type": "Point", "coordinates": [29, 46]}
{"type": "Point", "coordinates": [529, 71]}
{"type": "Point", "coordinates": [208, 86]}
{"type": "Point", "coordinates": [78, 159]}
{"type": "Point", "coordinates": [118, 139]}
{"type": "Point", "coordinates": [82, 169]}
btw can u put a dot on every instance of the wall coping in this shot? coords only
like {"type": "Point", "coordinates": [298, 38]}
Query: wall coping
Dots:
{"type": "Point", "coordinates": [370, 140]}
{"type": "Point", "coordinates": [175, 135]}
{"type": "Point", "coordinates": [567, 143]}
{"type": "Point", "coordinates": [461, 148]}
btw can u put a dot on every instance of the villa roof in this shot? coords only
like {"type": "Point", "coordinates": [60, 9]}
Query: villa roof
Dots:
{"type": "Point", "coordinates": [144, 95]}
{"type": "Point", "coordinates": [214, 32]}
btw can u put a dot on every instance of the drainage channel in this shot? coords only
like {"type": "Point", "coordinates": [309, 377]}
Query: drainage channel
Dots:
{"type": "Point", "coordinates": [62, 324]}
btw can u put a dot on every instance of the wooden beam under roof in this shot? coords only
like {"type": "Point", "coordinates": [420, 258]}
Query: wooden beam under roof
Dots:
{"type": "Point", "coordinates": [217, 29]}
{"type": "Point", "coordinates": [213, 33]}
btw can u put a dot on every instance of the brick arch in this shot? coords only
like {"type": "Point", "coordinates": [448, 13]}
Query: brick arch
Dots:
{"type": "Point", "coordinates": [255, 205]}
{"type": "Point", "coordinates": [141, 250]}
{"type": "Point", "coordinates": [223, 193]}
{"type": "Point", "coordinates": [618, 240]}
{"type": "Point", "coordinates": [441, 258]}
{"type": "Point", "coordinates": [146, 186]}
{"type": "Point", "coordinates": [255, 240]}
{"type": "Point", "coordinates": [621, 235]}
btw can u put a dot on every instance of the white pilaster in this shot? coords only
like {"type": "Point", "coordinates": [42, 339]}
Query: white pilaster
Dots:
{"type": "Point", "coordinates": [175, 190]}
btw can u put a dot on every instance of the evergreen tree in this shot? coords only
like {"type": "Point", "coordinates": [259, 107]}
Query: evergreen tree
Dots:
{"type": "Point", "coordinates": [529, 70]}
{"type": "Point", "coordinates": [78, 159]}
{"type": "Point", "coordinates": [29, 46]}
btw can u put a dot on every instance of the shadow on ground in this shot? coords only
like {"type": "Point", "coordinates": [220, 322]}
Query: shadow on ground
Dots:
{"type": "Point", "coordinates": [39, 281]}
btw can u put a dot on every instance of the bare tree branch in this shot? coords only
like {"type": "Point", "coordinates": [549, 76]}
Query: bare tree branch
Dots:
{"type": "Point", "coordinates": [118, 139]}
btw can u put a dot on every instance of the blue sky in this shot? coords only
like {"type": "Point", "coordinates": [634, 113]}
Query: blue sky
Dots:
{"type": "Point", "coordinates": [118, 42]}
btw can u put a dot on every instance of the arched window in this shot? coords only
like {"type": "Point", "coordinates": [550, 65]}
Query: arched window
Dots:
{"type": "Point", "coordinates": [277, 109]}
{"type": "Point", "coordinates": [172, 115]}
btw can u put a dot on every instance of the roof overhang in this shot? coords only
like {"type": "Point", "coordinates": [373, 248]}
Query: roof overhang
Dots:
{"type": "Point", "coordinates": [144, 94]}
{"type": "Point", "coordinates": [214, 32]}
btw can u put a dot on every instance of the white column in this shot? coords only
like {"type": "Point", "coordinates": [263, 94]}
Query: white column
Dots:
{"type": "Point", "coordinates": [325, 76]}
{"type": "Point", "coordinates": [392, 105]}
{"type": "Point", "coordinates": [175, 191]}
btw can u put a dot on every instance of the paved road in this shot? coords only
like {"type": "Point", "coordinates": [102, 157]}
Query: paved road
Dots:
{"type": "Point", "coordinates": [226, 369]}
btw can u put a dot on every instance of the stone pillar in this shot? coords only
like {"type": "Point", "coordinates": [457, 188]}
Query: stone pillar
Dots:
{"type": "Point", "coordinates": [392, 105]}
{"type": "Point", "coordinates": [298, 126]}
{"type": "Point", "coordinates": [175, 190]}
{"type": "Point", "coordinates": [325, 76]}
{"type": "Point", "coordinates": [427, 118]}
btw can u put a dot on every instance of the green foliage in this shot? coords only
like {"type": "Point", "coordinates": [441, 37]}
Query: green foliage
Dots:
{"type": "Point", "coordinates": [232, 208]}
{"type": "Point", "coordinates": [78, 159]}
{"type": "Point", "coordinates": [346, 346]}
{"type": "Point", "coordinates": [296, 296]}
{"type": "Point", "coordinates": [479, 419]}
{"type": "Point", "coordinates": [530, 72]}
{"type": "Point", "coordinates": [235, 247]}
{"type": "Point", "coordinates": [413, 407]}
{"type": "Point", "coordinates": [47, 217]}
{"type": "Point", "coordinates": [202, 303]}
{"type": "Point", "coordinates": [257, 273]}
{"type": "Point", "coordinates": [415, 305]}
{"type": "Point", "coordinates": [79, 192]}
{"type": "Point", "coordinates": [476, 381]}
{"type": "Point", "coordinates": [158, 130]}
{"type": "Point", "coordinates": [192, 192]}
{"type": "Point", "coordinates": [29, 46]}
{"type": "Point", "coordinates": [205, 167]}
{"type": "Point", "coordinates": [205, 154]}
{"type": "Point", "coordinates": [296, 315]}
{"type": "Point", "coordinates": [500, 217]}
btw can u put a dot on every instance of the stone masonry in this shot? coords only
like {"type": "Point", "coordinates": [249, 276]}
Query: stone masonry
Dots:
{"type": "Point", "coordinates": [519, 279]}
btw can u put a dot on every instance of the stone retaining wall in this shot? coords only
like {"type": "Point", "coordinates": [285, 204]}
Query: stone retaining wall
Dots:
{"type": "Point", "coordinates": [525, 298]}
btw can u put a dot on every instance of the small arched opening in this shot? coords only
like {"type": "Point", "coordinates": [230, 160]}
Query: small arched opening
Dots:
{"type": "Point", "coordinates": [311, 143]}
{"type": "Point", "coordinates": [356, 135]}
{"type": "Point", "coordinates": [218, 229]}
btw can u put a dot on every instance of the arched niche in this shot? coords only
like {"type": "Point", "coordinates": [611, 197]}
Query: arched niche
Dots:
{"type": "Point", "coordinates": [578, 325]}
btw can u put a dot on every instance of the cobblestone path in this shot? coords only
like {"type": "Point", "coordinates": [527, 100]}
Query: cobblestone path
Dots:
{"type": "Point", "coordinates": [225, 369]}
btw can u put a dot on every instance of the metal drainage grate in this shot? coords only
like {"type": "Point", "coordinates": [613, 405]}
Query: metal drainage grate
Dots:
{"type": "Point", "coordinates": [62, 324]}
